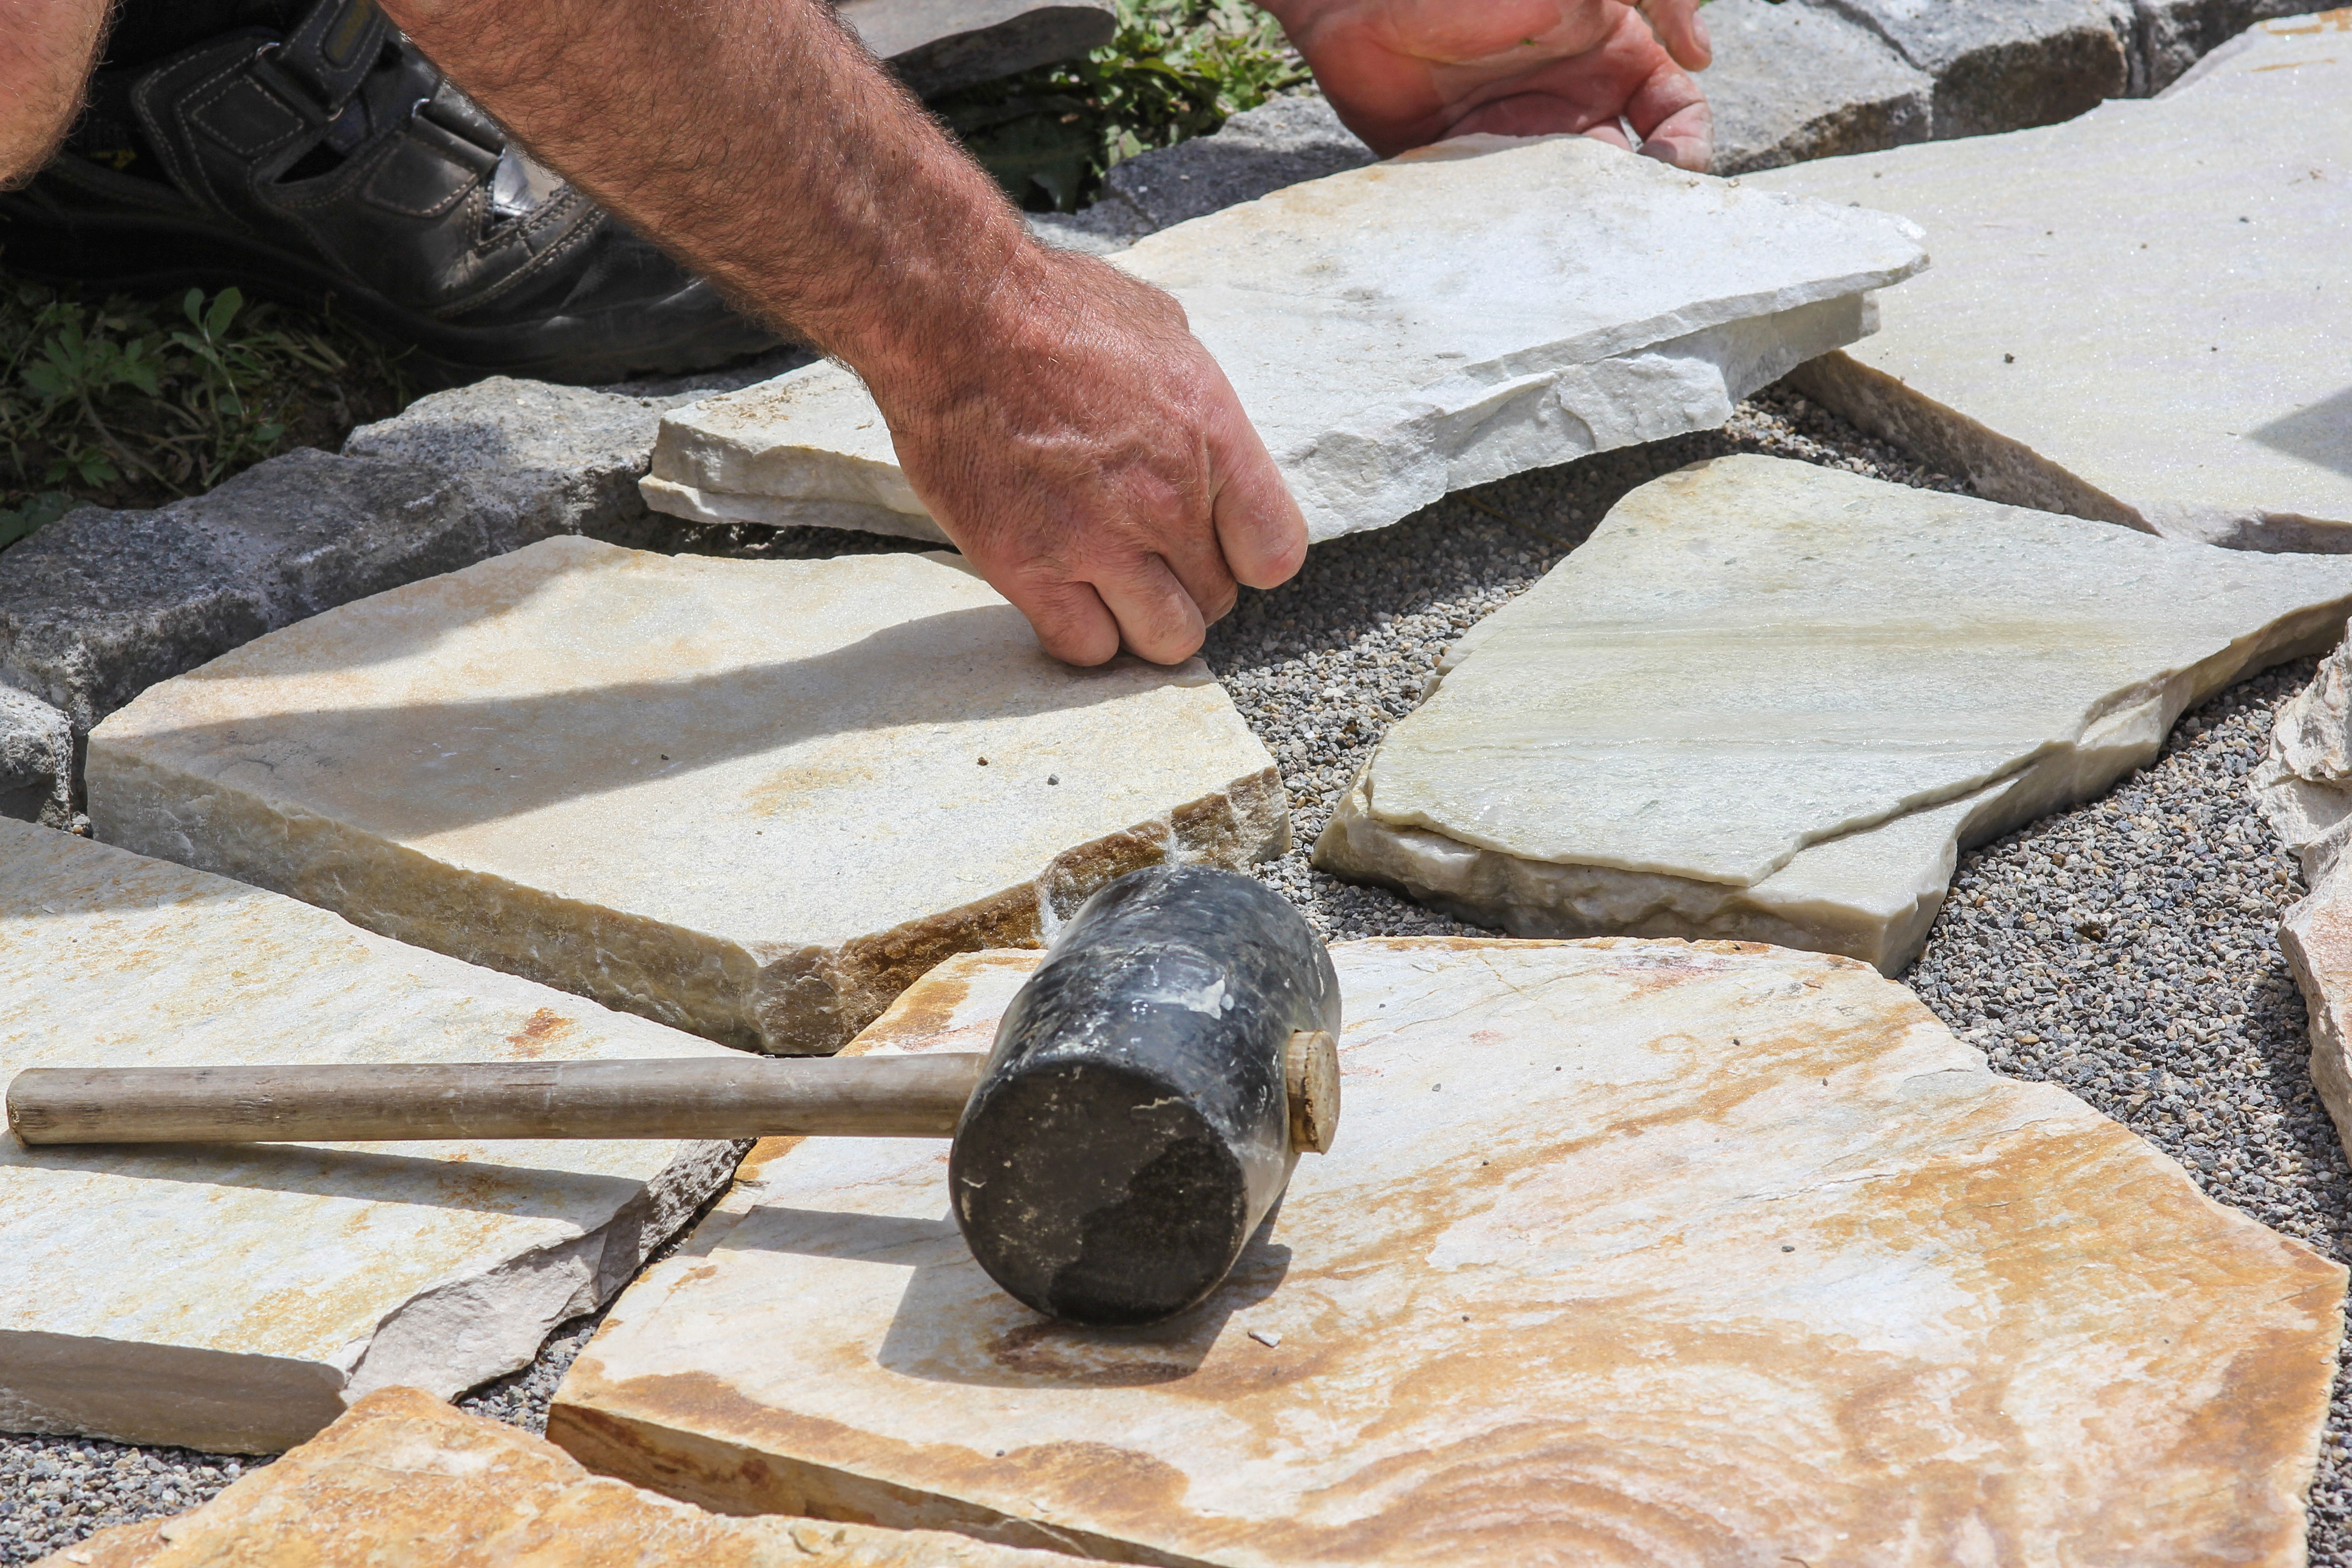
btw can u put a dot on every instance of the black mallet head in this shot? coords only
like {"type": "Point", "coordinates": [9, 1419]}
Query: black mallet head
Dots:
{"type": "Point", "coordinates": [1149, 1090]}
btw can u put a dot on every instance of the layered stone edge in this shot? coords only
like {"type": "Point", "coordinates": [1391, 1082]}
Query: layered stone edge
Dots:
{"type": "Point", "coordinates": [793, 999]}
{"type": "Point", "coordinates": [635, 1430]}
{"type": "Point", "coordinates": [1377, 467]}
{"type": "Point", "coordinates": [1800, 904]}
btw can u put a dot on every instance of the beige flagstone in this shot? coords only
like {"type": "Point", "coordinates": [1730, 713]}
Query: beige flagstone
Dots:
{"type": "Point", "coordinates": [2304, 784]}
{"type": "Point", "coordinates": [752, 799]}
{"type": "Point", "coordinates": [401, 1480]}
{"type": "Point", "coordinates": [1771, 700]}
{"type": "Point", "coordinates": [1444, 319]}
{"type": "Point", "coordinates": [1626, 1252]}
{"type": "Point", "coordinates": [234, 1297]}
{"type": "Point", "coordinates": [2132, 317]}
{"type": "Point", "coordinates": [2317, 937]}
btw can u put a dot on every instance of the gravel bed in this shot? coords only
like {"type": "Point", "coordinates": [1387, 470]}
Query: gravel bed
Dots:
{"type": "Point", "coordinates": [2124, 948]}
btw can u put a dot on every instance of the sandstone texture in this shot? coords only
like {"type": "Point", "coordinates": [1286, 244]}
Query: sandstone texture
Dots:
{"type": "Point", "coordinates": [2130, 318]}
{"type": "Point", "coordinates": [1771, 701]}
{"type": "Point", "coordinates": [752, 799]}
{"type": "Point", "coordinates": [1794, 81]}
{"type": "Point", "coordinates": [401, 1480]}
{"type": "Point", "coordinates": [937, 46]}
{"type": "Point", "coordinates": [1627, 1252]}
{"type": "Point", "coordinates": [100, 605]}
{"type": "Point", "coordinates": [234, 1297]}
{"type": "Point", "coordinates": [36, 760]}
{"type": "Point", "coordinates": [1397, 332]}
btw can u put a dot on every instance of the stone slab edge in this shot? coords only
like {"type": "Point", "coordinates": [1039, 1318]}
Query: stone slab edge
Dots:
{"type": "Point", "coordinates": [100, 605]}
{"type": "Point", "coordinates": [1798, 905]}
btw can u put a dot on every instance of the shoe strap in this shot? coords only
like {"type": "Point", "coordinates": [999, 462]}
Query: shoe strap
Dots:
{"type": "Point", "coordinates": [330, 50]}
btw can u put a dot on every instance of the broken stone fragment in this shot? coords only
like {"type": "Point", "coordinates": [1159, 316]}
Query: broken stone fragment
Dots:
{"type": "Point", "coordinates": [2198, 389]}
{"type": "Point", "coordinates": [36, 760]}
{"type": "Point", "coordinates": [234, 1297]}
{"type": "Point", "coordinates": [1396, 332]}
{"type": "Point", "coordinates": [1604, 1225]}
{"type": "Point", "coordinates": [2304, 783]}
{"type": "Point", "coordinates": [1771, 700]}
{"type": "Point", "coordinates": [403, 1479]}
{"type": "Point", "coordinates": [752, 799]}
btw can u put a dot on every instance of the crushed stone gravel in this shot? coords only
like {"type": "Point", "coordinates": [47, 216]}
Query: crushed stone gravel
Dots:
{"type": "Point", "coordinates": [2124, 948]}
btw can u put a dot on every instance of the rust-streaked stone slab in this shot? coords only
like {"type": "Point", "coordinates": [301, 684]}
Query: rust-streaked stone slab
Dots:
{"type": "Point", "coordinates": [1628, 1252]}
{"type": "Point", "coordinates": [236, 1296]}
{"type": "Point", "coordinates": [401, 1480]}
{"type": "Point", "coordinates": [748, 799]}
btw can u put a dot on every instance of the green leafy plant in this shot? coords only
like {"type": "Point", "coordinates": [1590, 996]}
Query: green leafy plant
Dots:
{"type": "Point", "coordinates": [1176, 69]}
{"type": "Point", "coordinates": [132, 402]}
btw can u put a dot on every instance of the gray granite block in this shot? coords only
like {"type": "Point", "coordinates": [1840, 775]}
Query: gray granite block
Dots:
{"type": "Point", "coordinates": [1259, 151]}
{"type": "Point", "coordinates": [2002, 65]}
{"type": "Point", "coordinates": [36, 759]}
{"type": "Point", "coordinates": [937, 46]}
{"type": "Point", "coordinates": [1282, 143]}
{"type": "Point", "coordinates": [1791, 82]}
{"type": "Point", "coordinates": [100, 605]}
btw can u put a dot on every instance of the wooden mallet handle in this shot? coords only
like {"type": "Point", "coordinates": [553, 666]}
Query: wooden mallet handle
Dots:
{"type": "Point", "coordinates": [691, 1097]}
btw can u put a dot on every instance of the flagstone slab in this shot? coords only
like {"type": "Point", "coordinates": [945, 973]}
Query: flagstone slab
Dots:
{"type": "Point", "coordinates": [752, 799]}
{"type": "Point", "coordinates": [1771, 700]}
{"type": "Point", "coordinates": [1626, 1252]}
{"type": "Point", "coordinates": [2304, 784]}
{"type": "Point", "coordinates": [2131, 317]}
{"type": "Point", "coordinates": [401, 1480]}
{"type": "Point", "coordinates": [1442, 320]}
{"type": "Point", "coordinates": [234, 1298]}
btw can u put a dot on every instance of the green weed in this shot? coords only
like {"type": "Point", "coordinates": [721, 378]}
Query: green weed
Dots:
{"type": "Point", "coordinates": [133, 401]}
{"type": "Point", "coordinates": [1176, 69]}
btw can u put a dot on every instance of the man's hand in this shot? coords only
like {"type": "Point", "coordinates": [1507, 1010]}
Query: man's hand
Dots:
{"type": "Point", "coordinates": [1404, 73]}
{"type": "Point", "coordinates": [1056, 416]}
{"type": "Point", "coordinates": [1089, 456]}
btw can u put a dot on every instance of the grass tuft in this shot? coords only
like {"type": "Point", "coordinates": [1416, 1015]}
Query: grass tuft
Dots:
{"type": "Point", "coordinates": [1176, 69]}
{"type": "Point", "coordinates": [128, 403]}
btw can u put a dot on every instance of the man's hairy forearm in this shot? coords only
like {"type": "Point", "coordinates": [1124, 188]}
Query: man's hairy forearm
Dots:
{"type": "Point", "coordinates": [762, 143]}
{"type": "Point", "coordinates": [46, 50]}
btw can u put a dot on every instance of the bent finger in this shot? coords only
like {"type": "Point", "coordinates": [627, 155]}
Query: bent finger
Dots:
{"type": "Point", "coordinates": [1259, 526]}
{"type": "Point", "coordinates": [1157, 619]}
{"type": "Point", "coordinates": [1070, 619]}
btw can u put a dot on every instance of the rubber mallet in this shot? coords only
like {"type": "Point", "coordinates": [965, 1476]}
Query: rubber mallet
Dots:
{"type": "Point", "coordinates": [1151, 1087]}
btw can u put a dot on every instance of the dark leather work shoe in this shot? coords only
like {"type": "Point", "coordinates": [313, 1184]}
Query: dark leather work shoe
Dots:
{"type": "Point", "coordinates": [332, 161]}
